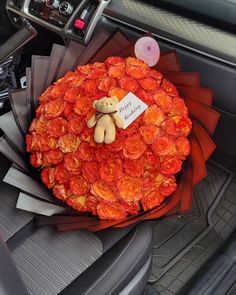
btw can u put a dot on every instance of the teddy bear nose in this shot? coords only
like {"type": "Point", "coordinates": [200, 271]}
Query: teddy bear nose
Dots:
{"type": "Point", "coordinates": [106, 103]}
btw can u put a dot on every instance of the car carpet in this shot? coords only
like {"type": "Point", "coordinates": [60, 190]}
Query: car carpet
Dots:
{"type": "Point", "coordinates": [184, 243]}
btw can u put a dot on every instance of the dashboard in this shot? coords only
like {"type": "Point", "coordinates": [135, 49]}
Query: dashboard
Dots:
{"type": "Point", "coordinates": [74, 19]}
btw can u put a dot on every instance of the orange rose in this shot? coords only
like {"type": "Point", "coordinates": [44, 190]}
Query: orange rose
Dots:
{"type": "Point", "coordinates": [149, 84]}
{"type": "Point", "coordinates": [52, 157]}
{"type": "Point", "coordinates": [46, 95]}
{"type": "Point", "coordinates": [114, 211]}
{"type": "Point", "coordinates": [115, 61]}
{"type": "Point", "coordinates": [53, 92]}
{"type": "Point", "coordinates": [68, 110]}
{"type": "Point", "coordinates": [77, 202]}
{"type": "Point", "coordinates": [129, 84]}
{"type": "Point", "coordinates": [106, 84]}
{"type": "Point", "coordinates": [40, 110]}
{"type": "Point", "coordinates": [118, 92]}
{"type": "Point", "coordinates": [86, 152]}
{"type": "Point", "coordinates": [145, 96]}
{"type": "Point", "coordinates": [102, 154]}
{"type": "Point", "coordinates": [58, 89]}
{"type": "Point", "coordinates": [72, 163]}
{"type": "Point", "coordinates": [168, 187]}
{"type": "Point", "coordinates": [170, 127]}
{"type": "Point", "coordinates": [169, 88]}
{"type": "Point", "coordinates": [97, 73]}
{"type": "Point", "coordinates": [153, 116]}
{"type": "Point", "coordinates": [76, 124]}
{"type": "Point", "coordinates": [134, 147]}
{"type": "Point", "coordinates": [151, 200]}
{"type": "Point", "coordinates": [79, 185]}
{"type": "Point", "coordinates": [57, 127]}
{"type": "Point", "coordinates": [67, 77]}
{"type": "Point", "coordinates": [134, 168]}
{"type": "Point", "coordinates": [90, 171]}
{"type": "Point", "coordinates": [149, 133]}
{"type": "Point", "coordinates": [184, 125]}
{"type": "Point", "coordinates": [40, 142]}
{"type": "Point", "coordinates": [73, 94]}
{"type": "Point", "coordinates": [130, 189]}
{"type": "Point", "coordinates": [148, 182]}
{"type": "Point", "coordinates": [156, 75]}
{"type": "Point", "coordinates": [87, 133]}
{"type": "Point", "coordinates": [45, 143]}
{"type": "Point", "coordinates": [131, 208]}
{"type": "Point", "coordinates": [111, 170]}
{"type": "Point", "coordinates": [82, 106]}
{"type": "Point", "coordinates": [30, 143]}
{"type": "Point", "coordinates": [47, 176]}
{"type": "Point", "coordinates": [160, 178]}
{"type": "Point", "coordinates": [54, 108]}
{"type": "Point", "coordinates": [85, 69]}
{"type": "Point", "coordinates": [61, 191]}
{"type": "Point", "coordinates": [163, 100]}
{"type": "Point", "coordinates": [118, 144]}
{"type": "Point", "coordinates": [179, 107]}
{"type": "Point", "coordinates": [77, 81]}
{"type": "Point", "coordinates": [151, 161]}
{"type": "Point", "coordinates": [182, 146]}
{"type": "Point", "coordinates": [136, 72]}
{"type": "Point", "coordinates": [61, 175]}
{"type": "Point", "coordinates": [131, 129]}
{"type": "Point", "coordinates": [68, 143]}
{"type": "Point", "coordinates": [116, 71]}
{"type": "Point", "coordinates": [38, 125]}
{"type": "Point", "coordinates": [91, 204]}
{"type": "Point", "coordinates": [163, 145]}
{"type": "Point", "coordinates": [104, 191]}
{"type": "Point", "coordinates": [36, 159]}
{"type": "Point", "coordinates": [99, 65]}
{"type": "Point", "coordinates": [171, 165]}
{"type": "Point", "coordinates": [133, 61]}
{"type": "Point", "coordinates": [90, 86]}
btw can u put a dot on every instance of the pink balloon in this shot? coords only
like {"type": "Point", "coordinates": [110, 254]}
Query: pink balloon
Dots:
{"type": "Point", "coordinates": [147, 49]}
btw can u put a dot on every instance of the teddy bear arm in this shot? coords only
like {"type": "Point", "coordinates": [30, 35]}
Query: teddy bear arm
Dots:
{"type": "Point", "coordinates": [91, 122]}
{"type": "Point", "coordinates": [118, 121]}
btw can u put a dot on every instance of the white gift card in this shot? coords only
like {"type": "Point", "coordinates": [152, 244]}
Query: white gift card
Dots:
{"type": "Point", "coordinates": [130, 107]}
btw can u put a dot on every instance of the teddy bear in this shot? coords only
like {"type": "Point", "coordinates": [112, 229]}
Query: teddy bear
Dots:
{"type": "Point", "coordinates": [106, 120]}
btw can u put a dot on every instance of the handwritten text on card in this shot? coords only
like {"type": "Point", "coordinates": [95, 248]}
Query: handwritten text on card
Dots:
{"type": "Point", "coordinates": [130, 107]}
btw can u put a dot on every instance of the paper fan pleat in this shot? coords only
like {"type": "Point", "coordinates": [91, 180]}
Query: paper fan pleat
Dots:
{"type": "Point", "coordinates": [207, 116]}
{"type": "Point", "coordinates": [168, 61]}
{"type": "Point", "coordinates": [205, 141]}
{"type": "Point", "coordinates": [199, 166]}
{"type": "Point", "coordinates": [200, 94]}
{"type": "Point", "coordinates": [183, 78]}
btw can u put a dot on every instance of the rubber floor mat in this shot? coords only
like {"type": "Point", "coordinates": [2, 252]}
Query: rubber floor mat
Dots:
{"type": "Point", "coordinates": [182, 244]}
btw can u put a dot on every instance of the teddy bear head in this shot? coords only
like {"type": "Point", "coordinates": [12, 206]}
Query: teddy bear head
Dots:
{"type": "Point", "coordinates": [106, 105]}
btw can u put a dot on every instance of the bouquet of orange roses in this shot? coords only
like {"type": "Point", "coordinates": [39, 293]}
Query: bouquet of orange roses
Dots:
{"type": "Point", "coordinates": [149, 170]}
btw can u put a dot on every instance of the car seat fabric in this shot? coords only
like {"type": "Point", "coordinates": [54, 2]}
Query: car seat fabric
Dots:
{"type": "Point", "coordinates": [12, 219]}
{"type": "Point", "coordinates": [49, 261]}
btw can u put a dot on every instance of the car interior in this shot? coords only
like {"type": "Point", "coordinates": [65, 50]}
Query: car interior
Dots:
{"type": "Point", "coordinates": [189, 253]}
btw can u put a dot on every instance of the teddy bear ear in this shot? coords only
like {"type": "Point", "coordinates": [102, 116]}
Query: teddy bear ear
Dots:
{"type": "Point", "coordinates": [94, 104]}
{"type": "Point", "coordinates": [115, 99]}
